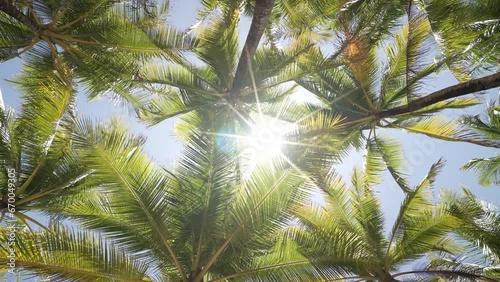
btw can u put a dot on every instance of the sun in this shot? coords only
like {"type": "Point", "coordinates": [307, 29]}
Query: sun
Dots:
{"type": "Point", "coordinates": [265, 141]}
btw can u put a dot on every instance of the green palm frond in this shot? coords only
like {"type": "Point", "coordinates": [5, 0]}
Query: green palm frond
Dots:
{"type": "Point", "coordinates": [383, 152]}
{"type": "Point", "coordinates": [488, 169]}
{"type": "Point", "coordinates": [273, 66]}
{"type": "Point", "coordinates": [218, 46]}
{"type": "Point", "coordinates": [319, 139]}
{"type": "Point", "coordinates": [46, 108]}
{"type": "Point", "coordinates": [449, 270]}
{"type": "Point", "coordinates": [130, 186]}
{"type": "Point", "coordinates": [418, 32]}
{"type": "Point", "coordinates": [63, 254]}
{"type": "Point", "coordinates": [13, 37]}
{"type": "Point", "coordinates": [472, 42]}
{"type": "Point", "coordinates": [170, 103]}
{"type": "Point", "coordinates": [479, 222]}
{"type": "Point", "coordinates": [338, 200]}
{"type": "Point", "coordinates": [404, 60]}
{"type": "Point", "coordinates": [343, 235]}
{"type": "Point", "coordinates": [367, 211]}
{"type": "Point", "coordinates": [184, 76]}
{"type": "Point", "coordinates": [442, 128]}
{"type": "Point", "coordinates": [338, 90]}
{"type": "Point", "coordinates": [201, 208]}
{"type": "Point", "coordinates": [334, 251]}
{"type": "Point", "coordinates": [457, 103]}
{"type": "Point", "coordinates": [36, 144]}
{"type": "Point", "coordinates": [186, 125]}
{"type": "Point", "coordinates": [421, 225]}
{"type": "Point", "coordinates": [170, 40]}
{"type": "Point", "coordinates": [489, 127]}
{"type": "Point", "coordinates": [104, 42]}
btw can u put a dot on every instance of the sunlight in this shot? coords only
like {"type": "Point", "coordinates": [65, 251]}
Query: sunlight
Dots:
{"type": "Point", "coordinates": [263, 144]}
{"type": "Point", "coordinates": [265, 141]}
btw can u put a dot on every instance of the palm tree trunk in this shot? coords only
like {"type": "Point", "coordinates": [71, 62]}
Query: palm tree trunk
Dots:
{"type": "Point", "coordinates": [262, 13]}
{"type": "Point", "coordinates": [12, 11]}
{"type": "Point", "coordinates": [475, 85]}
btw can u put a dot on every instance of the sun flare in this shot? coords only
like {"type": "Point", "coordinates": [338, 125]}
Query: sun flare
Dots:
{"type": "Point", "coordinates": [265, 141]}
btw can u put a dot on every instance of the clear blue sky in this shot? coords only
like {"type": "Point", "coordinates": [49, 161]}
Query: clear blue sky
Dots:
{"type": "Point", "coordinates": [421, 151]}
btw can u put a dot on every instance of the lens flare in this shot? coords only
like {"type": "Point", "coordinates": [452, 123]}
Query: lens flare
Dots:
{"type": "Point", "coordinates": [265, 141]}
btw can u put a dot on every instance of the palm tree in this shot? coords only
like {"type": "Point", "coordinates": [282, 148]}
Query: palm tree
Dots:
{"type": "Point", "coordinates": [488, 168]}
{"type": "Point", "coordinates": [207, 219]}
{"type": "Point", "coordinates": [35, 144]}
{"type": "Point", "coordinates": [103, 42]}
{"type": "Point", "coordinates": [239, 83]}
{"type": "Point", "coordinates": [407, 62]}
{"type": "Point", "coordinates": [201, 222]}
{"type": "Point", "coordinates": [366, 96]}
{"type": "Point", "coordinates": [344, 238]}
{"type": "Point", "coordinates": [222, 84]}
{"type": "Point", "coordinates": [347, 82]}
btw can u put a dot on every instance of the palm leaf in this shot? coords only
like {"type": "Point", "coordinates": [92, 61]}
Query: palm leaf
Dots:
{"type": "Point", "coordinates": [64, 254]}
{"type": "Point", "coordinates": [442, 128]}
{"type": "Point", "coordinates": [478, 222]}
{"type": "Point", "coordinates": [383, 152]}
{"type": "Point", "coordinates": [488, 169]}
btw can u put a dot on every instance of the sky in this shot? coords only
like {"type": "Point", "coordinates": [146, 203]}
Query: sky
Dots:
{"type": "Point", "coordinates": [420, 151]}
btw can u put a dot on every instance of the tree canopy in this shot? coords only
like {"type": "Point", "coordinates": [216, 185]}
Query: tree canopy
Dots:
{"type": "Point", "coordinates": [256, 195]}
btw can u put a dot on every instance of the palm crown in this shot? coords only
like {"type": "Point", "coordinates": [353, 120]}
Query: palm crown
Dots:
{"type": "Point", "coordinates": [345, 239]}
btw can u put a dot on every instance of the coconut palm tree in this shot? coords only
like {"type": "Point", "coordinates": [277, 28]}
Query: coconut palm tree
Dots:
{"type": "Point", "coordinates": [202, 221]}
{"type": "Point", "coordinates": [344, 238]}
{"type": "Point", "coordinates": [207, 219]}
{"type": "Point", "coordinates": [372, 93]}
{"type": "Point", "coordinates": [488, 168]}
{"type": "Point", "coordinates": [67, 254]}
{"type": "Point", "coordinates": [222, 84]}
{"type": "Point", "coordinates": [351, 84]}
{"type": "Point", "coordinates": [35, 145]}
{"type": "Point", "coordinates": [408, 59]}
{"type": "Point", "coordinates": [238, 83]}
{"type": "Point", "coordinates": [103, 42]}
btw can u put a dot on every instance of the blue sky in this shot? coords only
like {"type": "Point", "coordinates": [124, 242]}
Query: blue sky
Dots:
{"type": "Point", "coordinates": [421, 152]}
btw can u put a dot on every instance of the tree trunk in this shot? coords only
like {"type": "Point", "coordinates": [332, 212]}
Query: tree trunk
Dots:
{"type": "Point", "coordinates": [12, 11]}
{"type": "Point", "coordinates": [262, 13]}
{"type": "Point", "coordinates": [193, 275]}
{"type": "Point", "coordinates": [475, 85]}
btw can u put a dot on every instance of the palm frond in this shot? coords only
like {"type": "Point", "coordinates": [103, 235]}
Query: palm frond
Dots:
{"type": "Point", "coordinates": [478, 222]}
{"type": "Point", "coordinates": [422, 225]}
{"type": "Point", "coordinates": [442, 128]}
{"type": "Point", "coordinates": [488, 169]}
{"type": "Point", "coordinates": [367, 211]}
{"type": "Point", "coordinates": [383, 152]}
{"type": "Point", "coordinates": [63, 254]}
{"type": "Point", "coordinates": [218, 44]}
